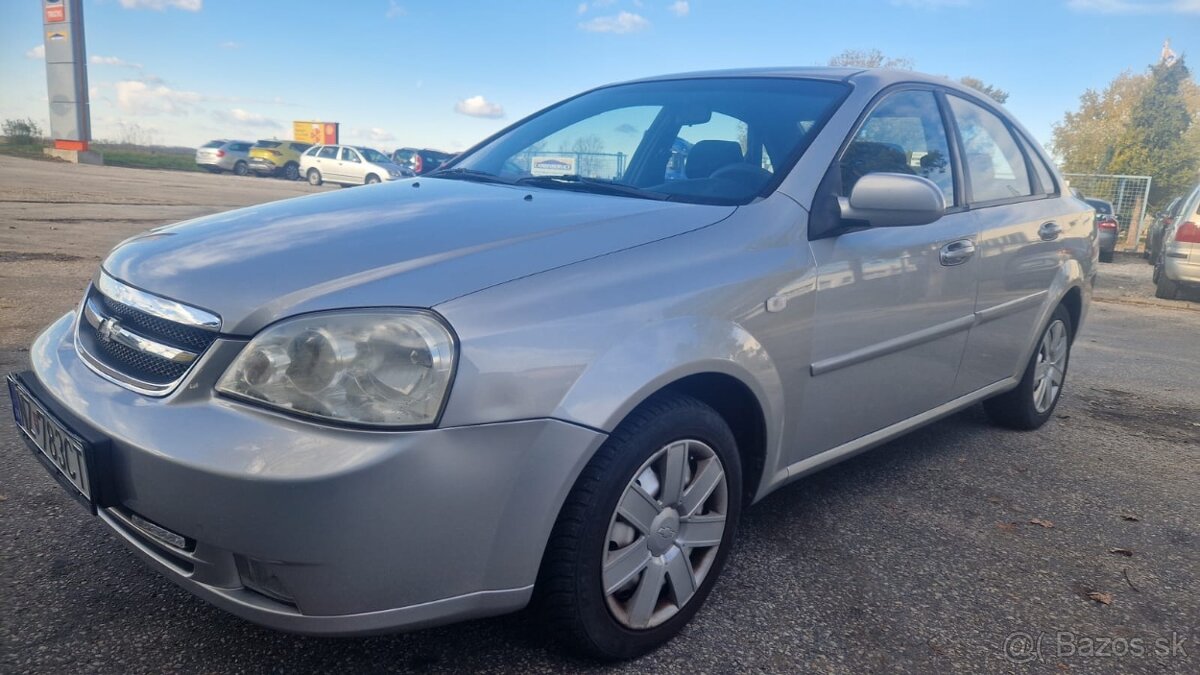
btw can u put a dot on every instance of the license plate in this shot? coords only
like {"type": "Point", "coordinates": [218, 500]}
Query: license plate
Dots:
{"type": "Point", "coordinates": [65, 451]}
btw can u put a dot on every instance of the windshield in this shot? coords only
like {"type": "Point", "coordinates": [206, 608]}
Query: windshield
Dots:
{"type": "Point", "coordinates": [720, 140]}
{"type": "Point", "coordinates": [374, 156]}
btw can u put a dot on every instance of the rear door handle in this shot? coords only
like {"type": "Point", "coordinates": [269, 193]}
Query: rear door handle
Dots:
{"type": "Point", "coordinates": [957, 252]}
{"type": "Point", "coordinates": [1049, 231]}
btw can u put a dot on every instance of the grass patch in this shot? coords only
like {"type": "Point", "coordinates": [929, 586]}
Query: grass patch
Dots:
{"type": "Point", "coordinates": [119, 154]}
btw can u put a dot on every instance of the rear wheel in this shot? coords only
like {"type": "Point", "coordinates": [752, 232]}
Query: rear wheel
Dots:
{"type": "Point", "coordinates": [240, 168]}
{"type": "Point", "coordinates": [291, 171]}
{"type": "Point", "coordinates": [314, 177]}
{"type": "Point", "coordinates": [1033, 401]}
{"type": "Point", "coordinates": [1164, 288]}
{"type": "Point", "coordinates": [645, 531]}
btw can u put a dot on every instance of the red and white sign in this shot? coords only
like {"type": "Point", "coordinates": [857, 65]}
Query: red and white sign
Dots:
{"type": "Point", "coordinates": [56, 13]}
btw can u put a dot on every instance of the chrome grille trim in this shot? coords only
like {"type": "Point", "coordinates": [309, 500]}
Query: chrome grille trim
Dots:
{"type": "Point", "coordinates": [112, 330]}
{"type": "Point", "coordinates": [151, 358]}
{"type": "Point", "coordinates": [156, 306]}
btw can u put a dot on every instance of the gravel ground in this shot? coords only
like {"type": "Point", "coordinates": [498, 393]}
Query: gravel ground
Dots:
{"type": "Point", "coordinates": [917, 557]}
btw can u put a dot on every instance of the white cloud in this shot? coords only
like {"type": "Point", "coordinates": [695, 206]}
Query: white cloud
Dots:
{"type": "Point", "coordinates": [680, 8]}
{"type": "Point", "coordinates": [582, 9]}
{"type": "Point", "coordinates": [38, 52]}
{"type": "Point", "coordinates": [230, 44]}
{"type": "Point", "coordinates": [246, 118]}
{"type": "Point", "coordinates": [478, 106]}
{"type": "Point", "coordinates": [625, 22]}
{"type": "Point", "coordinates": [395, 10]}
{"type": "Point", "coordinates": [1136, 6]}
{"type": "Point", "coordinates": [160, 5]}
{"type": "Point", "coordinates": [97, 60]}
{"type": "Point", "coordinates": [138, 98]}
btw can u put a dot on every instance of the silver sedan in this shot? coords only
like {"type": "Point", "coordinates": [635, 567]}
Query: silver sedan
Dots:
{"type": "Point", "coordinates": [560, 367]}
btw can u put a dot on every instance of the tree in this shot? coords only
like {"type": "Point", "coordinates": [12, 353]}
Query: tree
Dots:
{"type": "Point", "coordinates": [996, 93]}
{"type": "Point", "coordinates": [870, 58]}
{"type": "Point", "coordinates": [873, 58]}
{"type": "Point", "coordinates": [22, 131]}
{"type": "Point", "coordinates": [1141, 124]}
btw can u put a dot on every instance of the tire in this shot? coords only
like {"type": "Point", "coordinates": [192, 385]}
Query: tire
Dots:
{"type": "Point", "coordinates": [314, 177]}
{"type": "Point", "coordinates": [371, 179]}
{"type": "Point", "coordinates": [1024, 408]}
{"type": "Point", "coordinates": [570, 592]}
{"type": "Point", "coordinates": [240, 169]}
{"type": "Point", "coordinates": [1164, 288]}
{"type": "Point", "coordinates": [1106, 256]}
{"type": "Point", "coordinates": [291, 171]}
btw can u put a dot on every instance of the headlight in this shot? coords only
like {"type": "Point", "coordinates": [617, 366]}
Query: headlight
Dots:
{"type": "Point", "coordinates": [374, 367]}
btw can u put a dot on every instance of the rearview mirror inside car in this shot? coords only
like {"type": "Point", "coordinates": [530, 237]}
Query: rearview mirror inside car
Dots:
{"type": "Point", "coordinates": [893, 200]}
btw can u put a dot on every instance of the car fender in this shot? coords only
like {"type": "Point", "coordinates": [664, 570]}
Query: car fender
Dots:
{"type": "Point", "coordinates": [1070, 275]}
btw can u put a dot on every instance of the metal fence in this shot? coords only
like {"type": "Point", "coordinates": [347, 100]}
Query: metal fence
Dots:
{"type": "Point", "coordinates": [1127, 194]}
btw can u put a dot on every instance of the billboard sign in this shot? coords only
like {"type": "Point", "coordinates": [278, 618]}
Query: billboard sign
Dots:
{"type": "Point", "coordinates": [317, 133]}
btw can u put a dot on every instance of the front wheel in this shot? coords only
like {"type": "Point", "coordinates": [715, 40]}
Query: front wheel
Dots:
{"type": "Point", "coordinates": [240, 169]}
{"type": "Point", "coordinates": [372, 179]}
{"type": "Point", "coordinates": [1033, 401]}
{"type": "Point", "coordinates": [291, 171]}
{"type": "Point", "coordinates": [314, 177]}
{"type": "Point", "coordinates": [645, 532]}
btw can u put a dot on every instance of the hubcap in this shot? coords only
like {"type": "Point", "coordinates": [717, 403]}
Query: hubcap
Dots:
{"type": "Point", "coordinates": [664, 536]}
{"type": "Point", "coordinates": [1050, 368]}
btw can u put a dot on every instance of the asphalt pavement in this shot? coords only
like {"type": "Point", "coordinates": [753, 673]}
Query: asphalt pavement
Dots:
{"type": "Point", "coordinates": [957, 548]}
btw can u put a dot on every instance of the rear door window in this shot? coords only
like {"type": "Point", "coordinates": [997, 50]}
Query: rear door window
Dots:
{"type": "Point", "coordinates": [995, 164]}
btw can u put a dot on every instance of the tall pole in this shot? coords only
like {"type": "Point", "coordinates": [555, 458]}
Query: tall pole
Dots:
{"type": "Point", "coordinates": [66, 80]}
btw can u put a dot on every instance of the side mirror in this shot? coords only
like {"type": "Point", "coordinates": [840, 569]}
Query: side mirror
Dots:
{"type": "Point", "coordinates": [893, 200]}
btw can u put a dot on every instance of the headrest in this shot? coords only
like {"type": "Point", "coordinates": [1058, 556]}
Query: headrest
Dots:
{"type": "Point", "coordinates": [706, 157]}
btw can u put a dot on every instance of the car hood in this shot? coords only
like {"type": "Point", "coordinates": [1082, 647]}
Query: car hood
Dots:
{"type": "Point", "coordinates": [411, 243]}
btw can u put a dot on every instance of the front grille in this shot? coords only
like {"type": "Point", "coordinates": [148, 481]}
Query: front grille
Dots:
{"type": "Point", "coordinates": [136, 347]}
{"type": "Point", "coordinates": [169, 332]}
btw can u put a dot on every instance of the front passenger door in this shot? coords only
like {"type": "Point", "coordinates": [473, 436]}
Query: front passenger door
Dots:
{"type": "Point", "coordinates": [893, 304]}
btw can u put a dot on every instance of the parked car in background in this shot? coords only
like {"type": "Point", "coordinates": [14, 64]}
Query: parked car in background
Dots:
{"type": "Point", "coordinates": [277, 158]}
{"type": "Point", "coordinates": [420, 160]}
{"type": "Point", "coordinates": [348, 165]}
{"type": "Point", "coordinates": [1107, 227]}
{"type": "Point", "coordinates": [1165, 219]}
{"type": "Point", "coordinates": [436, 400]}
{"type": "Point", "coordinates": [223, 155]}
{"type": "Point", "coordinates": [1178, 267]}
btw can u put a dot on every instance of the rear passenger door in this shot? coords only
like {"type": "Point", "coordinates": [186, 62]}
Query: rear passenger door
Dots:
{"type": "Point", "coordinates": [327, 164]}
{"type": "Point", "coordinates": [893, 304]}
{"type": "Point", "coordinates": [1023, 228]}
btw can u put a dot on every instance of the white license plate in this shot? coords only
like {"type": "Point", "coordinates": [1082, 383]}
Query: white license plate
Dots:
{"type": "Point", "coordinates": [66, 451]}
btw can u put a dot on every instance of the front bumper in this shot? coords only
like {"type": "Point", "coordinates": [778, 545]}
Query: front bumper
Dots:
{"type": "Point", "coordinates": [365, 531]}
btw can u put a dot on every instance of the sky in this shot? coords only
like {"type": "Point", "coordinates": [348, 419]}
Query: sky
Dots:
{"type": "Point", "coordinates": [445, 74]}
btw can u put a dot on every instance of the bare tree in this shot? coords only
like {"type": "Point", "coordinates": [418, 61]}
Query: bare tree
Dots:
{"type": "Point", "coordinates": [871, 58]}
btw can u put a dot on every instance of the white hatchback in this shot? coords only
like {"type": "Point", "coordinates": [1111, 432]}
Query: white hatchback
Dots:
{"type": "Point", "coordinates": [348, 165]}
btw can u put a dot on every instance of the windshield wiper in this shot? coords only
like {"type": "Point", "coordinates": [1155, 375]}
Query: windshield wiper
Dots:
{"type": "Point", "coordinates": [594, 185]}
{"type": "Point", "coordinates": [469, 174]}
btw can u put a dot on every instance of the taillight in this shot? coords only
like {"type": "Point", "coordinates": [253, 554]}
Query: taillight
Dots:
{"type": "Point", "coordinates": [1107, 224]}
{"type": "Point", "coordinates": [418, 162]}
{"type": "Point", "coordinates": [1188, 233]}
{"type": "Point", "coordinates": [220, 153]}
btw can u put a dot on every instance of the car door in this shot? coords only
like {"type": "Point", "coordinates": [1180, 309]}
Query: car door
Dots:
{"type": "Point", "coordinates": [893, 304]}
{"type": "Point", "coordinates": [351, 166]}
{"type": "Point", "coordinates": [326, 162]}
{"type": "Point", "coordinates": [1023, 228]}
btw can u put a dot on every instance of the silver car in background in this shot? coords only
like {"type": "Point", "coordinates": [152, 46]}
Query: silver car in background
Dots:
{"type": "Point", "coordinates": [546, 376]}
{"type": "Point", "coordinates": [223, 155]}
{"type": "Point", "coordinates": [1178, 267]}
{"type": "Point", "coordinates": [349, 165]}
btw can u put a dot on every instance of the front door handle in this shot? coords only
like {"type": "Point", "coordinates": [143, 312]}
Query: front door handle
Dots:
{"type": "Point", "coordinates": [957, 252]}
{"type": "Point", "coordinates": [1049, 231]}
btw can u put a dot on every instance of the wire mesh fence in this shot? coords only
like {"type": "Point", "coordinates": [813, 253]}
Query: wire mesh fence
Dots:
{"type": "Point", "coordinates": [1128, 196]}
